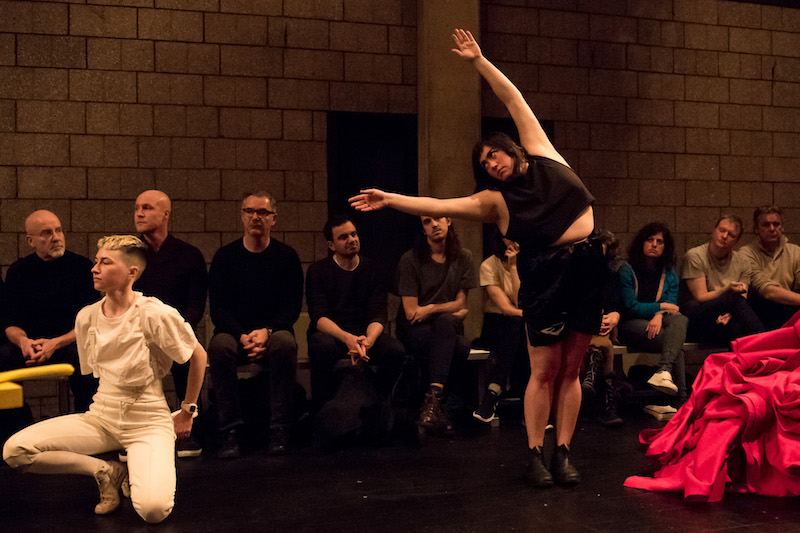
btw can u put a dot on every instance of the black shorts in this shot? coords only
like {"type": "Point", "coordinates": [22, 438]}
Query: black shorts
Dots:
{"type": "Point", "coordinates": [561, 290]}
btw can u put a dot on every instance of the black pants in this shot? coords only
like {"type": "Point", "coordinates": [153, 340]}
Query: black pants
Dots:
{"type": "Point", "coordinates": [505, 337]}
{"type": "Point", "coordinates": [772, 314]}
{"type": "Point", "coordinates": [703, 326]}
{"type": "Point", "coordinates": [83, 387]}
{"type": "Point", "coordinates": [324, 351]}
{"type": "Point", "coordinates": [439, 341]}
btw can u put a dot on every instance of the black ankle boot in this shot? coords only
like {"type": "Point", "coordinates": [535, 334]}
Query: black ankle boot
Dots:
{"type": "Point", "coordinates": [536, 473]}
{"type": "Point", "coordinates": [563, 471]}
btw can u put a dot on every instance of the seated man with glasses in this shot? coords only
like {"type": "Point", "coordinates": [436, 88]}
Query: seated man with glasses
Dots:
{"type": "Point", "coordinates": [255, 293]}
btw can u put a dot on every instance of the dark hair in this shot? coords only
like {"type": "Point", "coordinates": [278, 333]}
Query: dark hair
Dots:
{"type": "Point", "coordinates": [497, 141]}
{"type": "Point", "coordinates": [498, 246]}
{"type": "Point", "coordinates": [733, 218]}
{"type": "Point", "coordinates": [452, 246]}
{"type": "Point", "coordinates": [610, 244]}
{"type": "Point", "coordinates": [764, 210]}
{"type": "Point", "coordinates": [636, 249]}
{"type": "Point", "coordinates": [262, 194]}
{"type": "Point", "coordinates": [334, 222]}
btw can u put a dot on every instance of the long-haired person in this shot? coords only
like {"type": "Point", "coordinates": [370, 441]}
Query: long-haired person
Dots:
{"type": "Point", "coordinates": [535, 199]}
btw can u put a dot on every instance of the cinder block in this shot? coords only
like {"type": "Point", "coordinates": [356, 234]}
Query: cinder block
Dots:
{"type": "Point", "coordinates": [303, 244]}
{"type": "Point", "coordinates": [601, 109]}
{"type": "Point", "coordinates": [662, 192]}
{"type": "Point", "coordinates": [708, 193]}
{"type": "Point", "coordinates": [781, 119]}
{"type": "Point", "coordinates": [168, 25]}
{"type": "Point", "coordinates": [606, 82]}
{"type": "Point", "coordinates": [697, 167]}
{"type": "Point", "coordinates": [120, 54]}
{"type": "Point", "coordinates": [311, 217]}
{"type": "Point", "coordinates": [378, 11]}
{"type": "Point", "coordinates": [22, 83]}
{"type": "Point", "coordinates": [186, 152]}
{"type": "Point", "coordinates": [8, 182]}
{"type": "Point", "coordinates": [750, 41]}
{"type": "Point", "coordinates": [192, 5]}
{"type": "Point", "coordinates": [662, 139]}
{"type": "Point", "coordinates": [706, 37]}
{"type": "Point", "coordinates": [298, 94]}
{"type": "Point", "coordinates": [157, 88]}
{"type": "Point", "coordinates": [237, 183]}
{"type": "Point", "coordinates": [740, 117]}
{"type": "Point", "coordinates": [372, 68]}
{"type": "Point", "coordinates": [552, 51]}
{"type": "Point", "coordinates": [748, 194]}
{"type": "Point", "coordinates": [786, 44]}
{"type": "Point", "coordinates": [223, 216]}
{"type": "Point", "coordinates": [52, 182]}
{"type": "Point", "coordinates": [8, 248]}
{"type": "Point", "coordinates": [403, 40]}
{"type": "Point", "coordinates": [265, 123]}
{"type": "Point", "coordinates": [402, 99]}
{"type": "Point", "coordinates": [51, 51]}
{"type": "Point", "coordinates": [785, 144]}
{"type": "Point", "coordinates": [614, 137]}
{"type": "Point", "coordinates": [154, 152]}
{"type": "Point", "coordinates": [187, 216]}
{"type": "Point", "coordinates": [119, 184]}
{"type": "Point", "coordinates": [672, 34]}
{"type": "Point", "coordinates": [648, 165]}
{"type": "Point", "coordinates": [707, 63]}
{"type": "Point", "coordinates": [120, 151]}
{"type": "Point", "coordinates": [661, 86]}
{"type": "Point", "coordinates": [7, 116]}
{"type": "Point", "coordinates": [352, 37]}
{"type": "Point", "coordinates": [252, 7]}
{"type": "Point", "coordinates": [103, 119]}
{"type": "Point", "coordinates": [102, 86]}
{"type": "Point", "coordinates": [33, 17]}
{"type": "Point", "coordinates": [7, 56]}
{"type": "Point", "coordinates": [612, 29]}
{"type": "Point", "coordinates": [612, 217]}
{"type": "Point", "coordinates": [251, 154]}
{"type": "Point", "coordinates": [34, 149]}
{"type": "Point", "coordinates": [88, 215]}
{"type": "Point", "coordinates": [739, 14]}
{"type": "Point", "coordinates": [638, 216]}
{"type": "Point", "coordinates": [697, 220]}
{"type": "Point", "coordinates": [649, 32]}
{"type": "Point", "coordinates": [604, 164]}
{"type": "Point", "coordinates": [235, 123]}
{"type": "Point", "coordinates": [320, 186]}
{"type": "Point", "coordinates": [251, 61]}
{"type": "Point", "coordinates": [786, 94]}
{"type": "Point", "coordinates": [755, 143]}
{"type": "Point", "coordinates": [297, 155]}
{"type": "Point", "coordinates": [102, 21]}
{"type": "Point", "coordinates": [740, 66]}
{"type": "Point", "coordinates": [220, 153]}
{"type": "Point", "coordinates": [171, 56]}
{"type": "Point", "coordinates": [298, 33]}
{"type": "Point", "coordinates": [701, 11]}
{"type": "Point", "coordinates": [320, 9]}
{"type": "Point", "coordinates": [653, 9]}
{"type": "Point", "coordinates": [708, 141]}
{"type": "Point", "coordinates": [661, 60]}
{"type": "Point", "coordinates": [169, 120]}
{"type": "Point", "coordinates": [573, 80]}
{"type": "Point", "coordinates": [235, 29]}
{"type": "Point", "coordinates": [409, 70]}
{"type": "Point", "coordinates": [685, 61]}
{"type": "Point", "coordinates": [638, 57]}
{"type": "Point", "coordinates": [230, 91]}
{"type": "Point", "coordinates": [707, 89]}
{"type": "Point", "coordinates": [561, 24]}
{"type": "Point", "coordinates": [201, 121]}
{"type": "Point", "coordinates": [751, 92]}
{"type": "Point", "coordinates": [50, 117]}
{"type": "Point", "coordinates": [297, 125]}
{"type": "Point", "coordinates": [136, 119]}
{"type": "Point", "coordinates": [694, 114]}
{"type": "Point", "coordinates": [195, 184]}
{"type": "Point", "coordinates": [300, 186]}
{"type": "Point", "coordinates": [786, 193]}
{"type": "Point", "coordinates": [651, 112]}
{"type": "Point", "coordinates": [363, 97]}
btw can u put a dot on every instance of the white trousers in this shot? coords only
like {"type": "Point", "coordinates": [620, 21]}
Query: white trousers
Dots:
{"type": "Point", "coordinates": [119, 418]}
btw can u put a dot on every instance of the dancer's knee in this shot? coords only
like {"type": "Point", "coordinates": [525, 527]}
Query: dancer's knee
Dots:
{"type": "Point", "coordinates": [154, 508]}
{"type": "Point", "coordinates": [18, 453]}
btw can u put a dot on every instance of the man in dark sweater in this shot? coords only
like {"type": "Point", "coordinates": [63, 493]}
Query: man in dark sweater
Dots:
{"type": "Point", "coordinates": [346, 295]}
{"type": "Point", "coordinates": [255, 292]}
{"type": "Point", "coordinates": [176, 275]}
{"type": "Point", "coordinates": [44, 292]}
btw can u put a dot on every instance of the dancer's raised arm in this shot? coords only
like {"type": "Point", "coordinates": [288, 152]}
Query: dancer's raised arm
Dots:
{"type": "Point", "coordinates": [532, 136]}
{"type": "Point", "coordinates": [487, 206]}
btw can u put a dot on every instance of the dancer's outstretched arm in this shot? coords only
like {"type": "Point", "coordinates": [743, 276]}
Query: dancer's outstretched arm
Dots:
{"type": "Point", "coordinates": [487, 206]}
{"type": "Point", "coordinates": [532, 136]}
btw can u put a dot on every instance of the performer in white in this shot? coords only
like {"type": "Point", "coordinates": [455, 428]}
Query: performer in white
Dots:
{"type": "Point", "coordinates": [129, 342]}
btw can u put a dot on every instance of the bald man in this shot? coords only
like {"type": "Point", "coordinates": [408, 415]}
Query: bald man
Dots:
{"type": "Point", "coordinates": [176, 275]}
{"type": "Point", "coordinates": [43, 294]}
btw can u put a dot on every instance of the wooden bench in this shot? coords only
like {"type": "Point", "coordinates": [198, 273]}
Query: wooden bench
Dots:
{"type": "Point", "coordinates": [694, 353]}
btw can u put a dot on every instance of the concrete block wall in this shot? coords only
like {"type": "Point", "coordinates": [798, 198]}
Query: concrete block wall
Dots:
{"type": "Point", "coordinates": [678, 110]}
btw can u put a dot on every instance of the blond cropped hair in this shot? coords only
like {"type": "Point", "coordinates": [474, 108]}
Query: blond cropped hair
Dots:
{"type": "Point", "coordinates": [132, 248]}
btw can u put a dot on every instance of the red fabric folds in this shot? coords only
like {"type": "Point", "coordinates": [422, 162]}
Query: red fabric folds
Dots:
{"type": "Point", "coordinates": [740, 429]}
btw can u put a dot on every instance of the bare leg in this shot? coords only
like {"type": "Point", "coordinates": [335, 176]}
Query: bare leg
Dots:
{"type": "Point", "coordinates": [545, 364]}
{"type": "Point", "coordinates": [568, 387]}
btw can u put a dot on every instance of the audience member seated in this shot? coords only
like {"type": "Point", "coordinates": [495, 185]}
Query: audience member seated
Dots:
{"type": "Point", "coordinates": [598, 379]}
{"type": "Point", "coordinates": [346, 295]}
{"type": "Point", "coordinates": [713, 295]}
{"type": "Point", "coordinates": [44, 292]}
{"type": "Point", "coordinates": [433, 280]}
{"type": "Point", "coordinates": [651, 318]}
{"type": "Point", "coordinates": [776, 269]}
{"type": "Point", "coordinates": [503, 330]}
{"type": "Point", "coordinates": [176, 275]}
{"type": "Point", "coordinates": [255, 293]}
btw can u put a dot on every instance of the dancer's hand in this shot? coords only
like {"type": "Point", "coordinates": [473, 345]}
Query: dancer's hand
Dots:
{"type": "Point", "coordinates": [467, 45]}
{"type": "Point", "coordinates": [369, 200]}
{"type": "Point", "coordinates": [182, 420]}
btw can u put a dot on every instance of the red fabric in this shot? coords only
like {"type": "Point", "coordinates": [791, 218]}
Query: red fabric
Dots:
{"type": "Point", "coordinates": [741, 424]}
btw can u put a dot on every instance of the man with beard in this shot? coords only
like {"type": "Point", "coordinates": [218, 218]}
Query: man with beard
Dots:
{"type": "Point", "coordinates": [346, 295]}
{"type": "Point", "coordinates": [255, 294]}
{"type": "Point", "coordinates": [44, 292]}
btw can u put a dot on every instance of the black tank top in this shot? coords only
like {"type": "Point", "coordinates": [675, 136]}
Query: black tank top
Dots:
{"type": "Point", "coordinates": [543, 202]}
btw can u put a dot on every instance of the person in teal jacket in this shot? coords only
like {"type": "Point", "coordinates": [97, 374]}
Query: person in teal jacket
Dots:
{"type": "Point", "coordinates": [651, 319]}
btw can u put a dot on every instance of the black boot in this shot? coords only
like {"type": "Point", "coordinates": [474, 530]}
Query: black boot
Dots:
{"type": "Point", "coordinates": [594, 361]}
{"type": "Point", "coordinates": [608, 413]}
{"type": "Point", "coordinates": [536, 473]}
{"type": "Point", "coordinates": [563, 471]}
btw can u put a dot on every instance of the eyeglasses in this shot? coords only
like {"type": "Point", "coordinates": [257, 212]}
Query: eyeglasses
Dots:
{"type": "Point", "coordinates": [263, 213]}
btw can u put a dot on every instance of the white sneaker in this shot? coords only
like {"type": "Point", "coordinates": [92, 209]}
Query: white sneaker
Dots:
{"type": "Point", "coordinates": [662, 381]}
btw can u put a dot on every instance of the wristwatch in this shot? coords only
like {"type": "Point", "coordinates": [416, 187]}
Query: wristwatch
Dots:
{"type": "Point", "coordinates": [190, 408]}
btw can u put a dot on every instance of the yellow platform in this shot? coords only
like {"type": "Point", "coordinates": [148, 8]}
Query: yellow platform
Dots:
{"type": "Point", "coordinates": [11, 393]}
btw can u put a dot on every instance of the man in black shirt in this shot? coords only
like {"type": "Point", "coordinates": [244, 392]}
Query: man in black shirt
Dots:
{"type": "Point", "coordinates": [44, 292]}
{"type": "Point", "coordinates": [346, 295]}
{"type": "Point", "coordinates": [176, 275]}
{"type": "Point", "coordinates": [255, 293]}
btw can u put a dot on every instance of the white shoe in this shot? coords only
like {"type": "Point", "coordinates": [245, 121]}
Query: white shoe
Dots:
{"type": "Point", "coordinates": [109, 481]}
{"type": "Point", "coordinates": [662, 381]}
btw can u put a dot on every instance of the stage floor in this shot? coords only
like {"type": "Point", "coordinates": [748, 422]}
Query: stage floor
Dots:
{"type": "Point", "coordinates": [467, 483]}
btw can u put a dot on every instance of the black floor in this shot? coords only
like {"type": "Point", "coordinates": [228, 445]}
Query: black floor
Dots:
{"type": "Point", "coordinates": [468, 483]}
